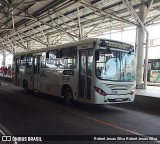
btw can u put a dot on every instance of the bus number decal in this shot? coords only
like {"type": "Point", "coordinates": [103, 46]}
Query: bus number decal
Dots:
{"type": "Point", "coordinates": [66, 78]}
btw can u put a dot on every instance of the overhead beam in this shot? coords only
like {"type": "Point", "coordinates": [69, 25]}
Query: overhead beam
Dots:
{"type": "Point", "coordinates": [149, 7]}
{"type": "Point", "coordinates": [79, 22]}
{"type": "Point", "coordinates": [105, 12]}
{"type": "Point", "coordinates": [19, 16]}
{"type": "Point", "coordinates": [94, 28]}
{"type": "Point", "coordinates": [44, 35]}
{"type": "Point", "coordinates": [7, 45]}
{"type": "Point", "coordinates": [8, 29]}
{"type": "Point", "coordinates": [35, 1]}
{"type": "Point", "coordinates": [69, 27]}
{"type": "Point", "coordinates": [4, 47]}
{"type": "Point", "coordinates": [22, 41]}
{"type": "Point", "coordinates": [61, 28]}
{"type": "Point", "coordinates": [31, 37]}
{"type": "Point", "coordinates": [150, 21]}
{"type": "Point", "coordinates": [134, 14]}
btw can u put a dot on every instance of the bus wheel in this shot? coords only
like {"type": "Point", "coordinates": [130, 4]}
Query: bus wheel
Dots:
{"type": "Point", "coordinates": [68, 96]}
{"type": "Point", "coordinates": [25, 87]}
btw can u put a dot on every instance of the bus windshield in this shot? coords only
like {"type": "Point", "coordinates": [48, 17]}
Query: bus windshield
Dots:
{"type": "Point", "coordinates": [116, 65]}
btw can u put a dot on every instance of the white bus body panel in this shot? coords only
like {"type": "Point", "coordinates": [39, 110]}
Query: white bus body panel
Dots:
{"type": "Point", "coordinates": [51, 81]}
{"type": "Point", "coordinates": [116, 92]}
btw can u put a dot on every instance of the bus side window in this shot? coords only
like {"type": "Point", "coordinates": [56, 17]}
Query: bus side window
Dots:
{"type": "Point", "coordinates": [69, 56]}
{"type": "Point", "coordinates": [23, 62]}
{"type": "Point", "coordinates": [29, 61]}
{"type": "Point", "coordinates": [43, 60]}
{"type": "Point", "coordinates": [43, 64]}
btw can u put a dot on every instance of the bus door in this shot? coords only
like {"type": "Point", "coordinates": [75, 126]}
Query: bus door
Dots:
{"type": "Point", "coordinates": [17, 71]}
{"type": "Point", "coordinates": [36, 71]}
{"type": "Point", "coordinates": [85, 74]}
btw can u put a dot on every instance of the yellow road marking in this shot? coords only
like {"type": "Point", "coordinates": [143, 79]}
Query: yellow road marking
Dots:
{"type": "Point", "coordinates": [106, 123]}
{"type": "Point", "coordinates": [109, 124]}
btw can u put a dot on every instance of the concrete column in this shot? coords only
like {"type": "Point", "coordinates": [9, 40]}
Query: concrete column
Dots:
{"type": "Point", "coordinates": [140, 49]}
{"type": "Point", "coordinates": [4, 58]}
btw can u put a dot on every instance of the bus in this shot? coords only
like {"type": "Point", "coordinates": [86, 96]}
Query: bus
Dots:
{"type": "Point", "coordinates": [95, 71]}
{"type": "Point", "coordinates": [153, 70]}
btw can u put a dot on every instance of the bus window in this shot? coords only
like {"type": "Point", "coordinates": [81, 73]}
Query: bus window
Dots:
{"type": "Point", "coordinates": [29, 61]}
{"type": "Point", "coordinates": [68, 59]}
{"type": "Point", "coordinates": [43, 60]}
{"type": "Point", "coordinates": [156, 65]}
{"type": "Point", "coordinates": [51, 62]}
{"type": "Point", "coordinates": [23, 62]}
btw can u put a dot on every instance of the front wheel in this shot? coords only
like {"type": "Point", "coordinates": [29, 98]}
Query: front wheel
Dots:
{"type": "Point", "coordinates": [68, 96]}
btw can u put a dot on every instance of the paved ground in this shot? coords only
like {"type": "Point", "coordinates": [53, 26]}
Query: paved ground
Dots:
{"type": "Point", "coordinates": [39, 114]}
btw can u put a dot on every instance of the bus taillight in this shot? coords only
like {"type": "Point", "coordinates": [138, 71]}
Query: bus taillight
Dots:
{"type": "Point", "coordinates": [101, 92]}
{"type": "Point", "coordinates": [132, 92]}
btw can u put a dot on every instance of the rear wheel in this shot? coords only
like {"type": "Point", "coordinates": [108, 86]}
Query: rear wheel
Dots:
{"type": "Point", "coordinates": [68, 96]}
{"type": "Point", "coordinates": [25, 87]}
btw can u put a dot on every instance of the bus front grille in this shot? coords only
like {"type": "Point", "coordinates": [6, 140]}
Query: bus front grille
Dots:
{"type": "Point", "coordinates": [114, 100]}
{"type": "Point", "coordinates": [119, 87]}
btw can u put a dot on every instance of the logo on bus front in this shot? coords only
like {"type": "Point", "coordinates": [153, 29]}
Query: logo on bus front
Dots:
{"type": "Point", "coordinates": [114, 92]}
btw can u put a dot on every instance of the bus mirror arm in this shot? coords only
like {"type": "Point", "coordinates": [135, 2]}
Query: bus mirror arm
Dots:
{"type": "Point", "coordinates": [108, 51]}
{"type": "Point", "coordinates": [47, 54]}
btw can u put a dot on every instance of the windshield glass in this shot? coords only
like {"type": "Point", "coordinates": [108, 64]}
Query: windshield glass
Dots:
{"type": "Point", "coordinates": [116, 66]}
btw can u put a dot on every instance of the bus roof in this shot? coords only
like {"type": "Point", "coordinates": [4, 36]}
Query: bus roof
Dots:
{"type": "Point", "coordinates": [77, 43]}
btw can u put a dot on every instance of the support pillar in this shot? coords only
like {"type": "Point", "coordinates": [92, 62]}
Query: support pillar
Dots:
{"type": "Point", "coordinates": [140, 49]}
{"type": "Point", "coordinates": [4, 58]}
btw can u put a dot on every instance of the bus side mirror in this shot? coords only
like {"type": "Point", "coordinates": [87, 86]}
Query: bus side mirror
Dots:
{"type": "Point", "coordinates": [108, 51]}
{"type": "Point", "coordinates": [47, 54]}
{"type": "Point", "coordinates": [97, 55]}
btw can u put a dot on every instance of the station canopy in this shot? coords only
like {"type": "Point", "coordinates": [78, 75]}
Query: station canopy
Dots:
{"type": "Point", "coordinates": [34, 24]}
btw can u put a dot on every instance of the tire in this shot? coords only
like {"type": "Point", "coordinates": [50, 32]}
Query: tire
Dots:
{"type": "Point", "coordinates": [25, 87]}
{"type": "Point", "coordinates": [68, 96]}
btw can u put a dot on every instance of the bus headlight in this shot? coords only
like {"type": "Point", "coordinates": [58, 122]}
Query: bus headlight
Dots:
{"type": "Point", "coordinates": [132, 92]}
{"type": "Point", "coordinates": [101, 92]}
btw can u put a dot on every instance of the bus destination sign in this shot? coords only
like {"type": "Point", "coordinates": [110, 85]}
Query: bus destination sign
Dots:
{"type": "Point", "coordinates": [114, 44]}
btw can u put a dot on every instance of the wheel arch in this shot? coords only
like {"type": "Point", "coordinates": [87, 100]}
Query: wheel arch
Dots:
{"type": "Point", "coordinates": [64, 87]}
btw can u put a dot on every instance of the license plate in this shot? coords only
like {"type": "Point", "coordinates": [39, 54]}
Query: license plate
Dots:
{"type": "Point", "coordinates": [119, 99]}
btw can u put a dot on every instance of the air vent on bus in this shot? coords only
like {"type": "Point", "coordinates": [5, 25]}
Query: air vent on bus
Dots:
{"type": "Point", "coordinates": [119, 87]}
